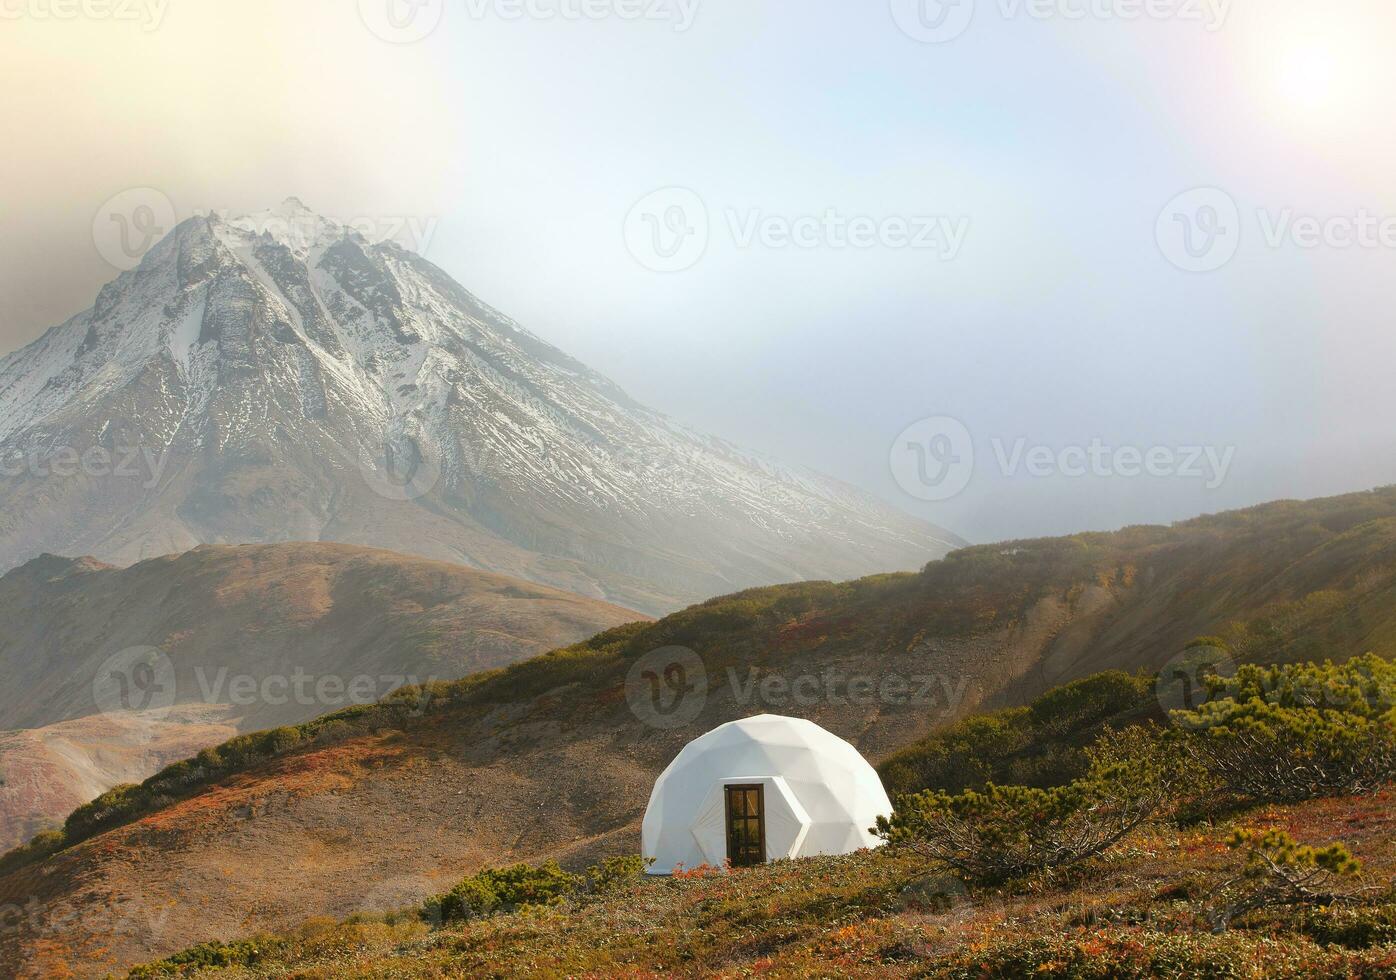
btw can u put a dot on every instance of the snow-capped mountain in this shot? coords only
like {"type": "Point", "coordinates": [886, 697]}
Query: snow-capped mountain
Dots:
{"type": "Point", "coordinates": [278, 377]}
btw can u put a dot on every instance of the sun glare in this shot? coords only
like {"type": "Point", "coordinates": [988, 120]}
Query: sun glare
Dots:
{"type": "Point", "coordinates": [1333, 79]}
{"type": "Point", "coordinates": [1309, 77]}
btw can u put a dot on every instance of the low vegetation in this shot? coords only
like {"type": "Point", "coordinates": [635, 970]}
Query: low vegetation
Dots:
{"type": "Point", "coordinates": [1043, 744]}
{"type": "Point", "coordinates": [1143, 912]}
{"type": "Point", "coordinates": [1007, 832]}
{"type": "Point", "coordinates": [521, 886]}
{"type": "Point", "coordinates": [1093, 877]}
{"type": "Point", "coordinates": [1296, 731]}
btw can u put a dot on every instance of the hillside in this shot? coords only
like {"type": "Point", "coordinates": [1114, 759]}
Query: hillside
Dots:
{"type": "Point", "coordinates": [1179, 896]}
{"type": "Point", "coordinates": [870, 914]}
{"type": "Point", "coordinates": [376, 808]}
{"type": "Point", "coordinates": [245, 638]}
{"type": "Point", "coordinates": [218, 612]}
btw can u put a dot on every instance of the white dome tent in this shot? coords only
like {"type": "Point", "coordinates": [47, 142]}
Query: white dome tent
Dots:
{"type": "Point", "coordinates": [758, 790]}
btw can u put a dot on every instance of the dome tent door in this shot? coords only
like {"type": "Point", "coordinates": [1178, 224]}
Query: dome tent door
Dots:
{"type": "Point", "coordinates": [746, 825]}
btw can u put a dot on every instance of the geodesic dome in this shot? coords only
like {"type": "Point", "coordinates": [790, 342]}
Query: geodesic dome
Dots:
{"type": "Point", "coordinates": [761, 789]}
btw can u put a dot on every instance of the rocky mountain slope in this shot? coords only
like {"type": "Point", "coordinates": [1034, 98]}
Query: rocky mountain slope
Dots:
{"type": "Point", "coordinates": [277, 377]}
{"type": "Point", "coordinates": [555, 756]}
{"type": "Point", "coordinates": [113, 673]}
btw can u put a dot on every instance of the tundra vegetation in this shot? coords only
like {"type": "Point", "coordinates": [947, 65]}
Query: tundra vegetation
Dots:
{"type": "Point", "coordinates": [1252, 836]}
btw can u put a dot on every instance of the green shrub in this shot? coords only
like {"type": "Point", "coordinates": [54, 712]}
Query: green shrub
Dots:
{"type": "Point", "coordinates": [1363, 686]}
{"type": "Point", "coordinates": [614, 874]}
{"type": "Point", "coordinates": [92, 815]}
{"type": "Point", "coordinates": [245, 952]}
{"type": "Point", "coordinates": [1005, 832]}
{"type": "Point", "coordinates": [39, 847]}
{"type": "Point", "coordinates": [967, 754]}
{"type": "Point", "coordinates": [1296, 731]}
{"type": "Point", "coordinates": [1279, 872]}
{"type": "Point", "coordinates": [1040, 745]}
{"type": "Point", "coordinates": [502, 890]}
{"type": "Point", "coordinates": [1088, 702]}
{"type": "Point", "coordinates": [496, 890]}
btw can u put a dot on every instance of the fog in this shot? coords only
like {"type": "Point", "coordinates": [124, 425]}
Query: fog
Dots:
{"type": "Point", "coordinates": [898, 227]}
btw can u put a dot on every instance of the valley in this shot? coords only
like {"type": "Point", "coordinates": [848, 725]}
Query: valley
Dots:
{"type": "Point", "coordinates": [233, 639]}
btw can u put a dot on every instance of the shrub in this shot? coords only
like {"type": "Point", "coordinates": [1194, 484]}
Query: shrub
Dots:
{"type": "Point", "coordinates": [91, 816]}
{"type": "Point", "coordinates": [1088, 702]}
{"type": "Point", "coordinates": [39, 847]}
{"type": "Point", "coordinates": [1039, 745]}
{"type": "Point", "coordinates": [967, 754]}
{"type": "Point", "coordinates": [502, 890]}
{"type": "Point", "coordinates": [1350, 926]}
{"type": "Point", "coordinates": [1364, 686]}
{"type": "Point", "coordinates": [1005, 832]}
{"type": "Point", "coordinates": [1296, 731]}
{"type": "Point", "coordinates": [497, 890]}
{"type": "Point", "coordinates": [613, 874]}
{"type": "Point", "coordinates": [245, 952]}
{"type": "Point", "coordinates": [1280, 872]}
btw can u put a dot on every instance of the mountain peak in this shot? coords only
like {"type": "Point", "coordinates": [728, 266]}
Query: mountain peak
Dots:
{"type": "Point", "coordinates": [281, 377]}
{"type": "Point", "coordinates": [289, 223]}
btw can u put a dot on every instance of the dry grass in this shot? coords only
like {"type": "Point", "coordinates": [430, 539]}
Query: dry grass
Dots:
{"type": "Point", "coordinates": [1140, 911]}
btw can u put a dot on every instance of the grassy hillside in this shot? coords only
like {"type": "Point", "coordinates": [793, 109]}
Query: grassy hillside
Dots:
{"type": "Point", "coordinates": [1147, 906]}
{"type": "Point", "coordinates": [546, 759]}
{"type": "Point", "coordinates": [878, 915]}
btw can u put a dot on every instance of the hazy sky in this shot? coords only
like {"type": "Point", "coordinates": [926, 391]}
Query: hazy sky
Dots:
{"type": "Point", "coordinates": [967, 212]}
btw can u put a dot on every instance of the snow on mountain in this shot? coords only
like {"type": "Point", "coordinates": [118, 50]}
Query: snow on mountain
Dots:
{"type": "Point", "coordinates": [276, 376]}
